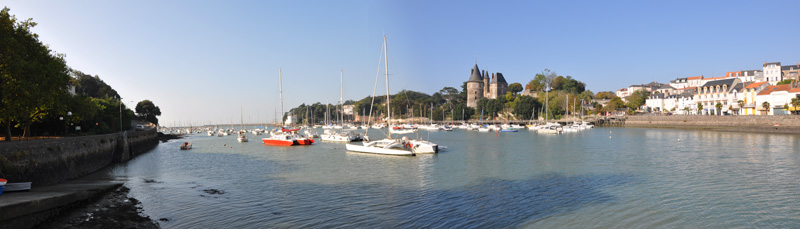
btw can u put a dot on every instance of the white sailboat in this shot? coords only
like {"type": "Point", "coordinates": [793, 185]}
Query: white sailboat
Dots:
{"type": "Point", "coordinates": [389, 146]}
{"type": "Point", "coordinates": [242, 132]}
{"type": "Point", "coordinates": [334, 136]}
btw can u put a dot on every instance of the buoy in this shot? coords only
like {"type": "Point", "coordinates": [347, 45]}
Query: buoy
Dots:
{"type": "Point", "coordinates": [609, 137]}
{"type": "Point", "coordinates": [679, 139]}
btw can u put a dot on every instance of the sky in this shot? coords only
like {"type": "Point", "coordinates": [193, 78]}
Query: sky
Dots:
{"type": "Point", "coordinates": [202, 61]}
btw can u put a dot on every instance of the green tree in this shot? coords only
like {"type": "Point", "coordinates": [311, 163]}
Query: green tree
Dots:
{"type": "Point", "coordinates": [605, 95]}
{"type": "Point", "coordinates": [524, 108]}
{"type": "Point", "coordinates": [148, 111]}
{"type": "Point", "coordinates": [614, 104]}
{"type": "Point", "coordinates": [91, 86]}
{"type": "Point", "coordinates": [699, 108]}
{"type": "Point", "coordinates": [686, 110]}
{"type": "Point", "coordinates": [515, 88]}
{"type": "Point", "coordinates": [741, 106]}
{"type": "Point", "coordinates": [637, 99]}
{"type": "Point", "coordinates": [462, 112]}
{"type": "Point", "coordinates": [786, 81]}
{"type": "Point", "coordinates": [765, 105]}
{"type": "Point", "coordinates": [796, 105]}
{"type": "Point", "coordinates": [719, 108]}
{"type": "Point", "coordinates": [32, 77]}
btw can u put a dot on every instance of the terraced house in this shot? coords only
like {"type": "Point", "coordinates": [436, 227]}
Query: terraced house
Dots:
{"type": "Point", "coordinates": [716, 91]}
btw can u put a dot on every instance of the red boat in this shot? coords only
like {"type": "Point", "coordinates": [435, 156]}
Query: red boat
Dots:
{"type": "Point", "coordinates": [287, 139]}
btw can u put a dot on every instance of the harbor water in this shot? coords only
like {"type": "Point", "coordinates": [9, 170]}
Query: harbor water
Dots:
{"type": "Point", "coordinates": [598, 178]}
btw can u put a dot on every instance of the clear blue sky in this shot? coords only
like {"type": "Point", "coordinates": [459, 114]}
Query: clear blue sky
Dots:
{"type": "Point", "coordinates": [203, 60]}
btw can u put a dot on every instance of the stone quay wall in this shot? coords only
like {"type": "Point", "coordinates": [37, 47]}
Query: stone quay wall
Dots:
{"type": "Point", "coordinates": [786, 124]}
{"type": "Point", "coordinates": [51, 161]}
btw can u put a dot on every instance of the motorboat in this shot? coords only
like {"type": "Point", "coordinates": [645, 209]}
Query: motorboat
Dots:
{"type": "Point", "coordinates": [186, 146]}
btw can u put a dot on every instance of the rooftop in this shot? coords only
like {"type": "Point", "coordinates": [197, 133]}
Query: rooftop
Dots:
{"type": "Point", "coordinates": [771, 89]}
{"type": "Point", "coordinates": [755, 85]}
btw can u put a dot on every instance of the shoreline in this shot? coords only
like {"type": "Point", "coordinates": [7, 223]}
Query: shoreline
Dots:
{"type": "Point", "coordinates": [743, 124]}
{"type": "Point", "coordinates": [113, 209]}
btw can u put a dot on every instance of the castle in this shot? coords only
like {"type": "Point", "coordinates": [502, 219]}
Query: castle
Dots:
{"type": "Point", "coordinates": [480, 85]}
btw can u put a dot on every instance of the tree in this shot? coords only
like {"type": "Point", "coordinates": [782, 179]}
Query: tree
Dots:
{"type": "Point", "coordinates": [741, 106]}
{"type": "Point", "coordinates": [637, 99]}
{"type": "Point", "coordinates": [515, 88]}
{"type": "Point", "coordinates": [449, 93]}
{"type": "Point", "coordinates": [91, 86]}
{"type": "Point", "coordinates": [614, 104]}
{"type": "Point", "coordinates": [796, 105]}
{"type": "Point", "coordinates": [148, 111]}
{"type": "Point", "coordinates": [719, 108]}
{"type": "Point", "coordinates": [686, 110]}
{"type": "Point", "coordinates": [524, 108]}
{"type": "Point", "coordinates": [699, 108]}
{"type": "Point", "coordinates": [765, 105]}
{"type": "Point", "coordinates": [786, 81]}
{"type": "Point", "coordinates": [605, 95]}
{"type": "Point", "coordinates": [32, 77]}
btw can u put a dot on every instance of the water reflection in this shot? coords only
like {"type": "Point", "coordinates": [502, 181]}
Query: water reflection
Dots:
{"type": "Point", "coordinates": [598, 178]}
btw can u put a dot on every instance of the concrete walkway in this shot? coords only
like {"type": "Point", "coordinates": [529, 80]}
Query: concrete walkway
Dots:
{"type": "Point", "coordinates": [29, 208]}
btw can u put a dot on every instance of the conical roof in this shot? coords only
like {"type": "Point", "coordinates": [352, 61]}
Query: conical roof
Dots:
{"type": "Point", "coordinates": [476, 75]}
{"type": "Point", "coordinates": [498, 78]}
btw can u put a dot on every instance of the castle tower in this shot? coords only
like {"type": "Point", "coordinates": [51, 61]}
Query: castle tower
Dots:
{"type": "Point", "coordinates": [499, 86]}
{"type": "Point", "coordinates": [475, 87]}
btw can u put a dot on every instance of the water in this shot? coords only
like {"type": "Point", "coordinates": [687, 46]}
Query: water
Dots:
{"type": "Point", "coordinates": [603, 177]}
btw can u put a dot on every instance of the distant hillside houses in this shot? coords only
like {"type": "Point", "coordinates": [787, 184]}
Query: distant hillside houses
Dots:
{"type": "Point", "coordinates": [744, 92]}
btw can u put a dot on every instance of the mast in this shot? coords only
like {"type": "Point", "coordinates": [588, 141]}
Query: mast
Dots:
{"type": "Point", "coordinates": [280, 85]}
{"type": "Point", "coordinates": [388, 109]}
{"type": "Point", "coordinates": [341, 97]}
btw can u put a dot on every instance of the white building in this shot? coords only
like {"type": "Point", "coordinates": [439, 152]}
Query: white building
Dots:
{"type": "Point", "coordinates": [772, 72]}
{"type": "Point", "coordinates": [777, 97]}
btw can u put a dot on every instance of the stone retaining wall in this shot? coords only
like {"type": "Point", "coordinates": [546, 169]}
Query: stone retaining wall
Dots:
{"type": "Point", "coordinates": [789, 124]}
{"type": "Point", "coordinates": [51, 161]}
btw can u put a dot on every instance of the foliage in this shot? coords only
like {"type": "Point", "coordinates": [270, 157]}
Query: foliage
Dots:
{"type": "Point", "coordinates": [148, 111]}
{"type": "Point", "coordinates": [719, 107]}
{"type": "Point", "coordinates": [32, 77]}
{"type": "Point", "coordinates": [614, 104]}
{"type": "Point", "coordinates": [91, 86]}
{"type": "Point", "coordinates": [741, 106]}
{"type": "Point", "coordinates": [699, 107]}
{"type": "Point", "coordinates": [786, 81]}
{"type": "Point", "coordinates": [765, 105]}
{"type": "Point", "coordinates": [605, 95]}
{"type": "Point", "coordinates": [525, 106]}
{"type": "Point", "coordinates": [461, 112]}
{"type": "Point", "coordinates": [515, 88]}
{"type": "Point", "coordinates": [637, 99]}
{"type": "Point", "coordinates": [796, 104]}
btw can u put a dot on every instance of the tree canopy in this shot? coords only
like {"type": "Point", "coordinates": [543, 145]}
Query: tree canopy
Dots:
{"type": "Point", "coordinates": [32, 77]}
{"type": "Point", "coordinates": [148, 111]}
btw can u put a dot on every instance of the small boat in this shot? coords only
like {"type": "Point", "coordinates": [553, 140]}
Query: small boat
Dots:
{"type": "Point", "coordinates": [508, 130]}
{"type": "Point", "coordinates": [186, 145]}
{"type": "Point", "coordinates": [242, 137]}
{"type": "Point", "coordinates": [402, 131]}
{"type": "Point", "coordinates": [13, 187]}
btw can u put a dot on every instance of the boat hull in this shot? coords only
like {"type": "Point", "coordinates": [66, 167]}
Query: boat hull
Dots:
{"type": "Point", "coordinates": [378, 150]}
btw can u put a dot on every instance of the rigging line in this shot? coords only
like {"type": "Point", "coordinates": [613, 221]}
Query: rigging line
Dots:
{"type": "Point", "coordinates": [374, 89]}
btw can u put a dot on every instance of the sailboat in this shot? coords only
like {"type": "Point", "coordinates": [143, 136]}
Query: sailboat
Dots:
{"type": "Point", "coordinates": [331, 135]}
{"type": "Point", "coordinates": [242, 132]}
{"type": "Point", "coordinates": [389, 146]}
{"type": "Point", "coordinates": [286, 137]}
